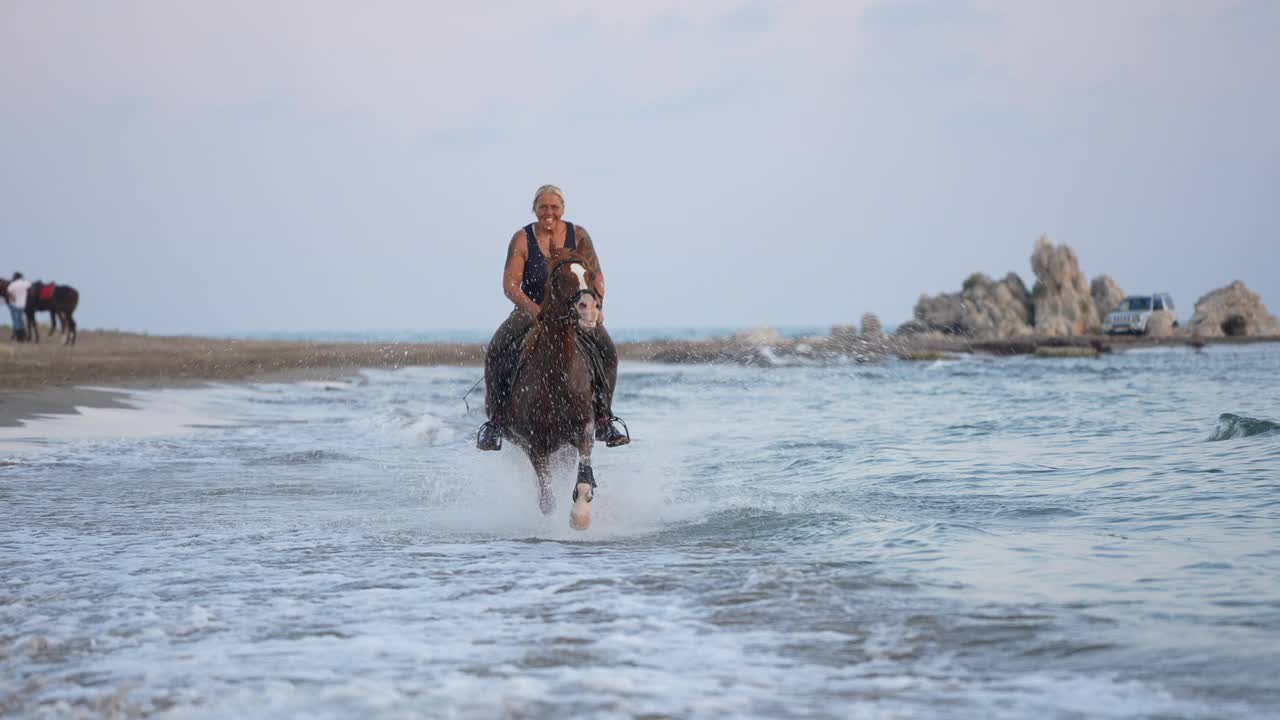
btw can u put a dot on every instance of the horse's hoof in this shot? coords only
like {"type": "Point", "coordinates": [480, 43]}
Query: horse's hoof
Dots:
{"type": "Point", "coordinates": [580, 515]}
{"type": "Point", "coordinates": [547, 504]}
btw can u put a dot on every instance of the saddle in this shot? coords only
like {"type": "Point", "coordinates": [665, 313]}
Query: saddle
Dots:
{"type": "Point", "coordinates": [46, 292]}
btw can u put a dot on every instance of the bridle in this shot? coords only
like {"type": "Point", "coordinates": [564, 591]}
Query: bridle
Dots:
{"type": "Point", "coordinates": [572, 313]}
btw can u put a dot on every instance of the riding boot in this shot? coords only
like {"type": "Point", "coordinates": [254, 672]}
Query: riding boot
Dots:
{"type": "Point", "coordinates": [489, 436]}
{"type": "Point", "coordinates": [502, 355]}
{"type": "Point", "coordinates": [608, 431]}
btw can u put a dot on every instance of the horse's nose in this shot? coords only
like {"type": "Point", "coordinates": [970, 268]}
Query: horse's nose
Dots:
{"type": "Point", "coordinates": [588, 311]}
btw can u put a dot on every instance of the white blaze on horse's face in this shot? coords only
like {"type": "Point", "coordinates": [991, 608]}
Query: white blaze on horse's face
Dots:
{"type": "Point", "coordinates": [581, 272]}
{"type": "Point", "coordinates": [587, 305]}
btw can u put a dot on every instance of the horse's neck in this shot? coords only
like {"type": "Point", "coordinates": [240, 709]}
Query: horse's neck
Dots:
{"type": "Point", "coordinates": [554, 338]}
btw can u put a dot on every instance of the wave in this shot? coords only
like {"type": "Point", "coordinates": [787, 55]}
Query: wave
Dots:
{"type": "Point", "coordinates": [305, 457]}
{"type": "Point", "coordinates": [1232, 426]}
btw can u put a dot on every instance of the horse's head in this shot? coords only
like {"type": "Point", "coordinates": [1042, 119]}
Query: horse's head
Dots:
{"type": "Point", "coordinates": [570, 293]}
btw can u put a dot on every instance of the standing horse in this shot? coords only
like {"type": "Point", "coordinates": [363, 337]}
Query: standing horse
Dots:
{"type": "Point", "coordinates": [61, 301]}
{"type": "Point", "coordinates": [551, 397]}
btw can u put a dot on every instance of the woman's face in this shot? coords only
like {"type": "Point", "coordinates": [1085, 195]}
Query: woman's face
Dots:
{"type": "Point", "coordinates": [548, 208]}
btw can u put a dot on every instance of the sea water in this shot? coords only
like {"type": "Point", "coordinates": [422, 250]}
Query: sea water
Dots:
{"type": "Point", "coordinates": [973, 538]}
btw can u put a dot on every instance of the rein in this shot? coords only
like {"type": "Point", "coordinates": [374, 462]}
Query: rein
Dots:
{"type": "Point", "coordinates": [592, 357]}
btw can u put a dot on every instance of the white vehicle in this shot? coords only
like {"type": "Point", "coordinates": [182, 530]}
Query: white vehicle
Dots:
{"type": "Point", "coordinates": [1134, 312]}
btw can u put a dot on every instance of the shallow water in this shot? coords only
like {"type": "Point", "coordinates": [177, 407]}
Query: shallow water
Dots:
{"type": "Point", "coordinates": [985, 538]}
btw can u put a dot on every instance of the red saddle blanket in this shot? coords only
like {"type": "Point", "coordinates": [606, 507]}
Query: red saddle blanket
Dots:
{"type": "Point", "coordinates": [46, 292]}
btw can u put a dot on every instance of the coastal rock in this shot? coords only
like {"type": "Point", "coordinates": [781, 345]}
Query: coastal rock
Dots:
{"type": "Point", "coordinates": [984, 308]}
{"type": "Point", "coordinates": [1160, 324]}
{"type": "Point", "coordinates": [1233, 311]}
{"type": "Point", "coordinates": [1106, 295]}
{"type": "Point", "coordinates": [758, 336]}
{"type": "Point", "coordinates": [870, 326]}
{"type": "Point", "coordinates": [844, 332]}
{"type": "Point", "coordinates": [1062, 303]}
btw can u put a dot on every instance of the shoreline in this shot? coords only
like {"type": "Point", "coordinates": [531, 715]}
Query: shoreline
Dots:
{"type": "Point", "coordinates": [23, 405]}
{"type": "Point", "coordinates": [52, 379]}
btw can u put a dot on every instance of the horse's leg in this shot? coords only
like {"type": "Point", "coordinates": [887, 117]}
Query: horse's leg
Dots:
{"type": "Point", "coordinates": [542, 467]}
{"type": "Point", "coordinates": [584, 487]}
{"type": "Point", "coordinates": [53, 321]}
{"type": "Point", "coordinates": [33, 327]}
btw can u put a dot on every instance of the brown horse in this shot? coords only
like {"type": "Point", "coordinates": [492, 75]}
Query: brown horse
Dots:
{"type": "Point", "coordinates": [551, 397]}
{"type": "Point", "coordinates": [61, 302]}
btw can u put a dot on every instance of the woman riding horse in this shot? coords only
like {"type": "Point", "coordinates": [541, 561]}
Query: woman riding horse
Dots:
{"type": "Point", "coordinates": [524, 281]}
{"type": "Point", "coordinates": [552, 401]}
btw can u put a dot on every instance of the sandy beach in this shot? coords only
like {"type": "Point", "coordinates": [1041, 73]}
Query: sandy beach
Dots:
{"type": "Point", "coordinates": [50, 378]}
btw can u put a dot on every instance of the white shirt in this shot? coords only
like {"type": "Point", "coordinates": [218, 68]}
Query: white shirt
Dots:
{"type": "Point", "coordinates": [18, 293]}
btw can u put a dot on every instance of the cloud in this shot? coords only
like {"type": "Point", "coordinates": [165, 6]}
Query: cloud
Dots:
{"type": "Point", "coordinates": [909, 15]}
{"type": "Point", "coordinates": [416, 64]}
{"type": "Point", "coordinates": [895, 147]}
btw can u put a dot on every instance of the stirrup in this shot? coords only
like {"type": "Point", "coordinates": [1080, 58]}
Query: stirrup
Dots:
{"type": "Point", "coordinates": [489, 437]}
{"type": "Point", "coordinates": [610, 436]}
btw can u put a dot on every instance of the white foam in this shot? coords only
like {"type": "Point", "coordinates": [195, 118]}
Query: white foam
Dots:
{"type": "Point", "coordinates": [155, 413]}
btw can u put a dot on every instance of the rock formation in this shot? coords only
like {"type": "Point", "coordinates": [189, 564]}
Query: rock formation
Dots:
{"type": "Point", "coordinates": [870, 326]}
{"type": "Point", "coordinates": [758, 336]}
{"type": "Point", "coordinates": [1061, 299]}
{"type": "Point", "coordinates": [1160, 324]}
{"type": "Point", "coordinates": [1233, 310]}
{"type": "Point", "coordinates": [1063, 303]}
{"type": "Point", "coordinates": [982, 309]}
{"type": "Point", "coordinates": [1106, 295]}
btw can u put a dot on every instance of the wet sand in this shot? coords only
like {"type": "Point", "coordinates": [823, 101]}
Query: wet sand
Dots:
{"type": "Point", "coordinates": [55, 400]}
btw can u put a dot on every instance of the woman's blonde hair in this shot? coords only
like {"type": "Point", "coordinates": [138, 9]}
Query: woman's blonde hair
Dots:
{"type": "Point", "coordinates": [543, 191]}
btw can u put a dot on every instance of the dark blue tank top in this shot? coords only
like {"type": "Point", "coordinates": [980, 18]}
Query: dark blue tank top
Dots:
{"type": "Point", "coordinates": [534, 282]}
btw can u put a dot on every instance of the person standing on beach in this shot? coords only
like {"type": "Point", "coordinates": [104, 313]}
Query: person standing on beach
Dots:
{"type": "Point", "coordinates": [524, 279]}
{"type": "Point", "coordinates": [16, 296]}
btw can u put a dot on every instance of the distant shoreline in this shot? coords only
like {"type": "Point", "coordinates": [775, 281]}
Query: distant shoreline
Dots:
{"type": "Point", "coordinates": [132, 359]}
{"type": "Point", "coordinates": [52, 378]}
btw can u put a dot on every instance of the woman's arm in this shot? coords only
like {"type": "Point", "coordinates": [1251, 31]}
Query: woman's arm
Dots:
{"type": "Point", "coordinates": [513, 273]}
{"type": "Point", "coordinates": [588, 251]}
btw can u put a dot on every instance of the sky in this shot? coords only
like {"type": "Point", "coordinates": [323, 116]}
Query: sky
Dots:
{"type": "Point", "coordinates": [233, 166]}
